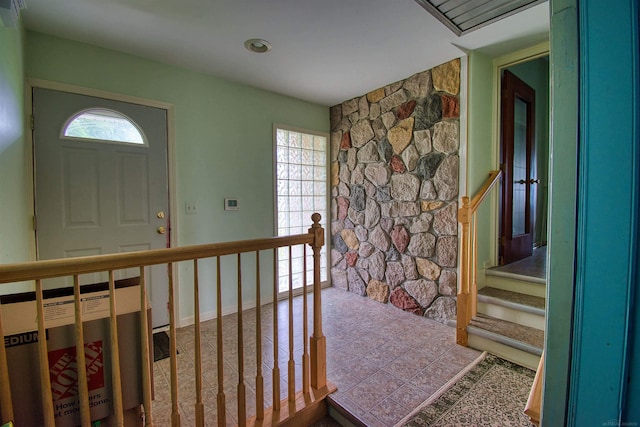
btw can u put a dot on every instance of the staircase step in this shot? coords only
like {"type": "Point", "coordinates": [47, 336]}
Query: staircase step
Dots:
{"type": "Point", "coordinates": [516, 300]}
{"type": "Point", "coordinates": [523, 337]}
{"type": "Point", "coordinates": [518, 343]}
{"type": "Point", "coordinates": [516, 283]}
{"type": "Point", "coordinates": [515, 276]}
{"type": "Point", "coordinates": [340, 414]}
{"type": "Point", "coordinates": [512, 306]}
{"type": "Point", "coordinates": [512, 354]}
{"type": "Point", "coordinates": [326, 422]}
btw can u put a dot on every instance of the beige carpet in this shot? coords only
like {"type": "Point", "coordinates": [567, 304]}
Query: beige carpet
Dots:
{"type": "Point", "coordinates": [492, 392]}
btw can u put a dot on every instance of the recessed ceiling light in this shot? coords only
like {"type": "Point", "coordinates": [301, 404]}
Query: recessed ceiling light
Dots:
{"type": "Point", "coordinates": [257, 45]}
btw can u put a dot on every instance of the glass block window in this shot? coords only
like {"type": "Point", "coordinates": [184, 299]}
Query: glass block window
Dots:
{"type": "Point", "coordinates": [301, 190]}
{"type": "Point", "coordinates": [98, 124]}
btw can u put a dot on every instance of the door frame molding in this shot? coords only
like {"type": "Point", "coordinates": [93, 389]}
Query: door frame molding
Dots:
{"type": "Point", "coordinates": [499, 63]}
{"type": "Point", "coordinates": [31, 83]}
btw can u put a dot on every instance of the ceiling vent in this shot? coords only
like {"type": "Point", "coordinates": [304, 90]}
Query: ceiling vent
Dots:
{"type": "Point", "coordinates": [464, 16]}
{"type": "Point", "coordinates": [10, 11]}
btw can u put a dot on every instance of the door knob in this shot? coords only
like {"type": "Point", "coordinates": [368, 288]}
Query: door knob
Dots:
{"type": "Point", "coordinates": [530, 181]}
{"type": "Point", "coordinates": [161, 230]}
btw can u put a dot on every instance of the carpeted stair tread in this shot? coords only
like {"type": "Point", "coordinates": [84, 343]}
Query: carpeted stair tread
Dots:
{"type": "Point", "coordinates": [513, 297]}
{"type": "Point", "coordinates": [531, 336]}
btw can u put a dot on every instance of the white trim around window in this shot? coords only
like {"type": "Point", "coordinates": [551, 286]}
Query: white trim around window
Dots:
{"type": "Point", "coordinates": [301, 187]}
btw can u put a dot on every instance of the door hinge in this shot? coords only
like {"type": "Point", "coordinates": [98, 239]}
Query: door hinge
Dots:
{"type": "Point", "coordinates": [32, 122]}
{"type": "Point", "coordinates": [35, 223]}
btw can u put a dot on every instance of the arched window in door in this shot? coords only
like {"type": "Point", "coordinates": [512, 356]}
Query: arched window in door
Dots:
{"type": "Point", "coordinates": [99, 124]}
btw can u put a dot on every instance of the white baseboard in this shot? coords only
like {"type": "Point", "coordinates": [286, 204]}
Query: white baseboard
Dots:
{"type": "Point", "coordinates": [246, 305]}
{"type": "Point", "coordinates": [209, 315]}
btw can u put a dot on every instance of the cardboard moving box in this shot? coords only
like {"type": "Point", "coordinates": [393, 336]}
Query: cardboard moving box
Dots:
{"type": "Point", "coordinates": [21, 337]}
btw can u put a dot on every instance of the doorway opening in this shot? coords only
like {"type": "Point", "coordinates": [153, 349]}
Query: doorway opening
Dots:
{"type": "Point", "coordinates": [524, 158]}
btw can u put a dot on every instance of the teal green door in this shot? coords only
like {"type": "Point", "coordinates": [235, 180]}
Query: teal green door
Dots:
{"type": "Point", "coordinates": [605, 355]}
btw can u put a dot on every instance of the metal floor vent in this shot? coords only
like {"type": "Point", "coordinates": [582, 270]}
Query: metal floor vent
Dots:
{"type": "Point", "coordinates": [464, 16]}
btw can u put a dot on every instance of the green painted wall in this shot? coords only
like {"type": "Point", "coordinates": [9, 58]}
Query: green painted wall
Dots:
{"type": "Point", "coordinates": [480, 119]}
{"type": "Point", "coordinates": [223, 144]}
{"type": "Point", "coordinates": [15, 208]}
{"type": "Point", "coordinates": [481, 156]}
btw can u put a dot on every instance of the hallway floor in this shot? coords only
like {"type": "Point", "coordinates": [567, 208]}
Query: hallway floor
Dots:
{"type": "Point", "coordinates": [533, 266]}
{"type": "Point", "coordinates": [385, 362]}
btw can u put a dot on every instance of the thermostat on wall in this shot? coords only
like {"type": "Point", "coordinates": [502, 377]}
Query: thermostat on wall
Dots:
{"type": "Point", "coordinates": [231, 205]}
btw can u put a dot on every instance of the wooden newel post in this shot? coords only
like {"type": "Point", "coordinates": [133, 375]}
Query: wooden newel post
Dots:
{"type": "Point", "coordinates": [463, 307]}
{"type": "Point", "coordinates": [318, 344]}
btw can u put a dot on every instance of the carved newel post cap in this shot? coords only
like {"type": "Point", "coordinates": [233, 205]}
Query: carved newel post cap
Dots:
{"type": "Point", "coordinates": [316, 217]}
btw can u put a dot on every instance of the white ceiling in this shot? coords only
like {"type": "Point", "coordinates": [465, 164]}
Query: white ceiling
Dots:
{"type": "Point", "coordinates": [323, 51]}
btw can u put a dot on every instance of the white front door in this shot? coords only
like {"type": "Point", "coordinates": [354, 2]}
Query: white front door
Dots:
{"type": "Point", "coordinates": [97, 196]}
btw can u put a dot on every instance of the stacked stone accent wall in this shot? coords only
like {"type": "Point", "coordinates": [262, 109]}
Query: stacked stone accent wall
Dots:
{"type": "Point", "coordinates": [394, 192]}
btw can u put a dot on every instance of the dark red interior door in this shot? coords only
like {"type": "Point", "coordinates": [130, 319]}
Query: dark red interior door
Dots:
{"type": "Point", "coordinates": [518, 127]}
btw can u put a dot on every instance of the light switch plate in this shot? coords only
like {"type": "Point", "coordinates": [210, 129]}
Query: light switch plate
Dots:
{"type": "Point", "coordinates": [190, 207]}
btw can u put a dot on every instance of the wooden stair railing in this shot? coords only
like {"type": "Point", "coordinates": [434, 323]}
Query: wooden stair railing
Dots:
{"type": "Point", "coordinates": [534, 404]}
{"type": "Point", "coordinates": [298, 408]}
{"type": "Point", "coordinates": [467, 298]}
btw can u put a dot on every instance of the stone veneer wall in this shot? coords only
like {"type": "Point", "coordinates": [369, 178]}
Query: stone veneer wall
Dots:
{"type": "Point", "coordinates": [394, 191]}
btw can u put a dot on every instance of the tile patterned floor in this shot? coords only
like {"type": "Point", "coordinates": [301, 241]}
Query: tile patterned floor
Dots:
{"type": "Point", "coordinates": [385, 362]}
